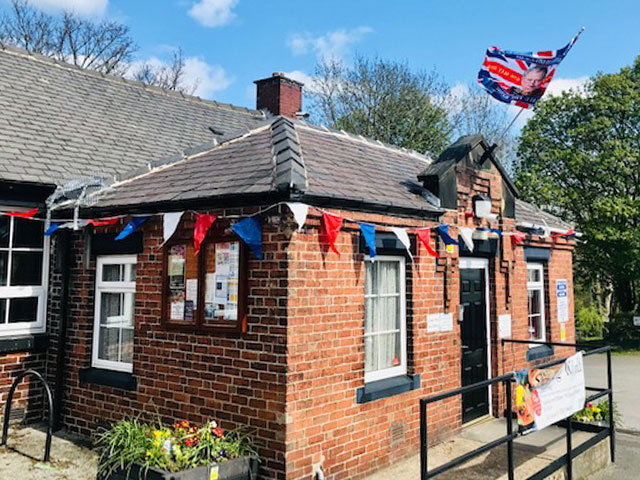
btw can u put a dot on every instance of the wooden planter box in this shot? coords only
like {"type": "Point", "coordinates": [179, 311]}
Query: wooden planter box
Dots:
{"type": "Point", "coordinates": [243, 468]}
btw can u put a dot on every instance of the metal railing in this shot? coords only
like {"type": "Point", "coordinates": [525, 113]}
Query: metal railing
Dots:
{"type": "Point", "coordinates": [7, 410]}
{"type": "Point", "coordinates": [572, 452]}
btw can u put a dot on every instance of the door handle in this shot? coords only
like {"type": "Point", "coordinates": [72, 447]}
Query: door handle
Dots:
{"type": "Point", "coordinates": [461, 314]}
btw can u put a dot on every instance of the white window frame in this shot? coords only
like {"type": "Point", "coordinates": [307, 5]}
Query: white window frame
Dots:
{"type": "Point", "coordinates": [402, 368]}
{"type": "Point", "coordinates": [539, 286]}
{"type": "Point", "coordinates": [111, 287]}
{"type": "Point", "coordinates": [39, 291]}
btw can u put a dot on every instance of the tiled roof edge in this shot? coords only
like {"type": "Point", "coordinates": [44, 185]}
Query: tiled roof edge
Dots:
{"type": "Point", "coordinates": [125, 81]}
{"type": "Point", "coordinates": [289, 173]}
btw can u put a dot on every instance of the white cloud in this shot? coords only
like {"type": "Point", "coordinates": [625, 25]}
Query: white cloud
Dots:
{"type": "Point", "coordinates": [559, 85]}
{"type": "Point", "coordinates": [300, 76]}
{"type": "Point", "coordinates": [207, 78]}
{"type": "Point", "coordinates": [333, 44]}
{"type": "Point", "coordinates": [81, 7]}
{"type": "Point", "coordinates": [213, 13]}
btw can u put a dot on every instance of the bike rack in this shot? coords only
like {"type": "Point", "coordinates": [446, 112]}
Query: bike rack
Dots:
{"type": "Point", "coordinates": [7, 410]}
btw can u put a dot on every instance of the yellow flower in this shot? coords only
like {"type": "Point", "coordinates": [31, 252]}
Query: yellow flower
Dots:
{"type": "Point", "coordinates": [148, 453]}
{"type": "Point", "coordinates": [157, 433]}
{"type": "Point", "coordinates": [596, 409]}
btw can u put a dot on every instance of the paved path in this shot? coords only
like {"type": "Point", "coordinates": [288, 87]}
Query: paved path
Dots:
{"type": "Point", "coordinates": [627, 463]}
{"type": "Point", "coordinates": [626, 384]}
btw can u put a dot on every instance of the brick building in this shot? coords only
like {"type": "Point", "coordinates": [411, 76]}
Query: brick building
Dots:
{"type": "Point", "coordinates": [322, 355]}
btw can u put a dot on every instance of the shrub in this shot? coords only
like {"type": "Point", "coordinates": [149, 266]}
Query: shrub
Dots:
{"type": "Point", "coordinates": [589, 323]}
{"type": "Point", "coordinates": [176, 448]}
{"type": "Point", "coordinates": [622, 332]}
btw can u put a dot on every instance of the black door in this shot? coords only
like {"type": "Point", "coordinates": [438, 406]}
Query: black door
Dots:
{"type": "Point", "coordinates": [474, 342]}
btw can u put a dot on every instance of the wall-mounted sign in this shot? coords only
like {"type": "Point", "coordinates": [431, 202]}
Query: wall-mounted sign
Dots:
{"type": "Point", "coordinates": [636, 321]}
{"type": "Point", "coordinates": [562, 300]}
{"type": "Point", "coordinates": [504, 326]}
{"type": "Point", "coordinates": [439, 322]}
{"type": "Point", "coordinates": [545, 396]}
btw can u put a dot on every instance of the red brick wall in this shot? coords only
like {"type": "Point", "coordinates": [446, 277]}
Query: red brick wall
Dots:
{"type": "Point", "coordinates": [237, 380]}
{"type": "Point", "coordinates": [280, 96]}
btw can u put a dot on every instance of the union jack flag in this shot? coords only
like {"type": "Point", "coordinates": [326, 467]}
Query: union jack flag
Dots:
{"type": "Point", "coordinates": [520, 78]}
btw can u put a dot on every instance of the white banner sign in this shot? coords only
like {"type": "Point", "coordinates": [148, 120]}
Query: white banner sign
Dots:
{"type": "Point", "coordinates": [562, 300]}
{"type": "Point", "coordinates": [548, 395]}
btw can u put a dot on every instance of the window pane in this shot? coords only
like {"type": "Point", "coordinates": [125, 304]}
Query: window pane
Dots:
{"type": "Point", "coordinates": [535, 302]}
{"type": "Point", "coordinates": [26, 268]}
{"type": "Point", "coordinates": [23, 309]}
{"type": "Point", "coordinates": [369, 277]}
{"type": "Point", "coordinates": [27, 233]}
{"type": "Point", "coordinates": [388, 281]}
{"type": "Point", "coordinates": [4, 265]}
{"type": "Point", "coordinates": [108, 344]}
{"type": "Point", "coordinates": [534, 275]}
{"type": "Point", "coordinates": [369, 312]}
{"type": "Point", "coordinates": [127, 345]}
{"type": "Point", "coordinates": [112, 309]}
{"type": "Point", "coordinates": [382, 351]}
{"type": "Point", "coordinates": [4, 231]}
{"type": "Point", "coordinates": [3, 310]}
{"type": "Point", "coordinates": [132, 272]}
{"type": "Point", "coordinates": [112, 273]}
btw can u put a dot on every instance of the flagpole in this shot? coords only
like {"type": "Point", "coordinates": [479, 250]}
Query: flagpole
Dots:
{"type": "Point", "coordinates": [509, 126]}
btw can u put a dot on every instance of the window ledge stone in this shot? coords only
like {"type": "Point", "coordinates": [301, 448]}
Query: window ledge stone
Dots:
{"type": "Point", "coordinates": [539, 351]}
{"type": "Point", "coordinates": [108, 378]}
{"type": "Point", "coordinates": [387, 388]}
{"type": "Point", "coordinates": [32, 343]}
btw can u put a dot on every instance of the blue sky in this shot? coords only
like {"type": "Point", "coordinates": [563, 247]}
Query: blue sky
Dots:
{"type": "Point", "coordinates": [230, 43]}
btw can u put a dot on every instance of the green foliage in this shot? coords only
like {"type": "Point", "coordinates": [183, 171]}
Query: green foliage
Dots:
{"type": "Point", "coordinates": [589, 323]}
{"type": "Point", "coordinates": [179, 447]}
{"type": "Point", "coordinates": [580, 158]}
{"type": "Point", "coordinates": [622, 332]}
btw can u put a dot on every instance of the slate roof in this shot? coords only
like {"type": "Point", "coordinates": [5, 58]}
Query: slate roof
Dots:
{"type": "Point", "coordinates": [290, 156]}
{"type": "Point", "coordinates": [311, 163]}
{"type": "Point", "coordinates": [529, 213]}
{"type": "Point", "coordinates": [59, 122]}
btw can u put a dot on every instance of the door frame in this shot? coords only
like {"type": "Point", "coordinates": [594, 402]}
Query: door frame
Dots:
{"type": "Point", "coordinates": [483, 264]}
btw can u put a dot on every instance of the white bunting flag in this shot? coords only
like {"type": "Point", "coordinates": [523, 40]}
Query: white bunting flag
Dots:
{"type": "Point", "coordinates": [401, 233]}
{"type": "Point", "coordinates": [466, 234]}
{"type": "Point", "coordinates": [300, 211]}
{"type": "Point", "coordinates": [170, 222]}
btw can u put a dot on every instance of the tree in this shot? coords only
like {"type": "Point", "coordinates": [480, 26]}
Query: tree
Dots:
{"type": "Point", "coordinates": [383, 100]}
{"type": "Point", "coordinates": [105, 46]}
{"type": "Point", "coordinates": [170, 76]}
{"type": "Point", "coordinates": [580, 158]}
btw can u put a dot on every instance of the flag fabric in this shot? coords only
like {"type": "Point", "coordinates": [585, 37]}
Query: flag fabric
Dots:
{"type": "Point", "coordinates": [52, 228]}
{"type": "Point", "coordinates": [401, 233]}
{"type": "Point", "coordinates": [300, 212]}
{"type": "Point", "coordinates": [28, 214]}
{"type": "Point", "coordinates": [466, 234]}
{"type": "Point", "coordinates": [132, 226]}
{"type": "Point", "coordinates": [517, 237]}
{"type": "Point", "coordinates": [250, 231]}
{"type": "Point", "coordinates": [170, 223]}
{"type": "Point", "coordinates": [568, 234]}
{"type": "Point", "coordinates": [331, 225]}
{"type": "Point", "coordinates": [103, 222]}
{"type": "Point", "coordinates": [369, 234]}
{"type": "Point", "coordinates": [203, 223]}
{"type": "Point", "coordinates": [424, 234]}
{"type": "Point", "coordinates": [520, 78]}
{"type": "Point", "coordinates": [443, 231]}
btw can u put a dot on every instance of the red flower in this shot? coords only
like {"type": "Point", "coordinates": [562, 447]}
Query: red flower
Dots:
{"type": "Point", "coordinates": [218, 432]}
{"type": "Point", "coordinates": [190, 442]}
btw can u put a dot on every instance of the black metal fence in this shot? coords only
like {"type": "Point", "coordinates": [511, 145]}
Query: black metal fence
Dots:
{"type": "Point", "coordinates": [601, 432]}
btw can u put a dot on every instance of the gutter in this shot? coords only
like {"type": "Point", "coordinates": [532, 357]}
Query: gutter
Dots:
{"type": "Point", "coordinates": [65, 271]}
{"type": "Point", "coordinates": [535, 226]}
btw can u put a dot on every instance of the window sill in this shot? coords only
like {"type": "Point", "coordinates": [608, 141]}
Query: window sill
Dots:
{"type": "Point", "coordinates": [24, 343]}
{"type": "Point", "coordinates": [539, 351]}
{"type": "Point", "coordinates": [108, 378]}
{"type": "Point", "coordinates": [387, 388]}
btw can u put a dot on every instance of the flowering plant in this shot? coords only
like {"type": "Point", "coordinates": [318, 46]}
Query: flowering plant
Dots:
{"type": "Point", "coordinates": [174, 448]}
{"type": "Point", "coordinates": [596, 412]}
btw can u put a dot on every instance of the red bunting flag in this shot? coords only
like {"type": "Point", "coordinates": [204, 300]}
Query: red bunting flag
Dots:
{"type": "Point", "coordinates": [331, 225]}
{"type": "Point", "coordinates": [103, 222]}
{"type": "Point", "coordinates": [567, 234]}
{"type": "Point", "coordinates": [28, 214]}
{"type": "Point", "coordinates": [203, 223]}
{"type": "Point", "coordinates": [516, 238]}
{"type": "Point", "coordinates": [424, 234]}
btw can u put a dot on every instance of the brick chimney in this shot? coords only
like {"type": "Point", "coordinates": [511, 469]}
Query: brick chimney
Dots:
{"type": "Point", "coordinates": [280, 95]}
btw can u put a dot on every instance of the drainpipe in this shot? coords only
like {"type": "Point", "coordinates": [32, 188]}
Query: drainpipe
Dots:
{"type": "Point", "coordinates": [64, 266]}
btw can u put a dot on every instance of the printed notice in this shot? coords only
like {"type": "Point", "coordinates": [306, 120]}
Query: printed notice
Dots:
{"type": "Point", "coordinates": [446, 322]}
{"type": "Point", "coordinates": [177, 310]}
{"type": "Point", "coordinates": [504, 326]}
{"type": "Point", "coordinates": [562, 300]}
{"type": "Point", "coordinates": [192, 291]}
{"type": "Point", "coordinates": [210, 288]}
{"type": "Point", "coordinates": [223, 257]}
{"type": "Point", "coordinates": [433, 323]}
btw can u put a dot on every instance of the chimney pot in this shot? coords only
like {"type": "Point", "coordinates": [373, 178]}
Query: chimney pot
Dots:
{"type": "Point", "coordinates": [279, 94]}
